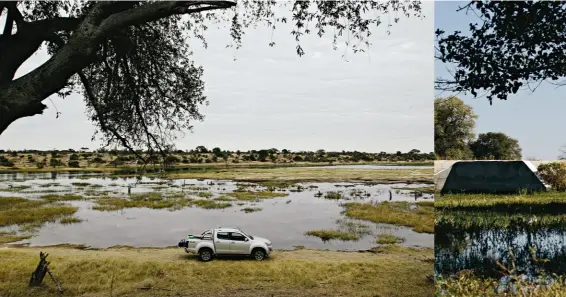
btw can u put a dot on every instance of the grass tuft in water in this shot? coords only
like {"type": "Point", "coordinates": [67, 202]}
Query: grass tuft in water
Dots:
{"type": "Point", "coordinates": [7, 237]}
{"type": "Point", "coordinates": [208, 204]}
{"type": "Point", "coordinates": [254, 195]}
{"type": "Point", "coordinates": [57, 198]}
{"type": "Point", "coordinates": [251, 209]}
{"type": "Point", "coordinates": [333, 195]}
{"type": "Point", "coordinates": [389, 239]}
{"type": "Point", "coordinates": [69, 220]}
{"type": "Point", "coordinates": [332, 234]}
{"type": "Point", "coordinates": [419, 216]}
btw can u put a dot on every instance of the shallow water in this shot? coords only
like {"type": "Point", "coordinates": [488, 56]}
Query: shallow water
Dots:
{"type": "Point", "coordinates": [478, 249]}
{"type": "Point", "coordinates": [373, 167]}
{"type": "Point", "coordinates": [283, 220]}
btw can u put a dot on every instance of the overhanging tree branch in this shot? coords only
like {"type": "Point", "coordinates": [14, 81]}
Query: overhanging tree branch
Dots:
{"type": "Point", "coordinates": [154, 11]}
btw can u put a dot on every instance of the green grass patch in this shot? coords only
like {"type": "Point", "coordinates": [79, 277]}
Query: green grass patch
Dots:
{"type": "Point", "coordinates": [254, 195]}
{"type": "Point", "coordinates": [389, 239]}
{"type": "Point", "coordinates": [251, 209]}
{"type": "Point", "coordinates": [81, 184]}
{"type": "Point", "coordinates": [276, 184]}
{"type": "Point", "coordinates": [15, 203]}
{"type": "Point", "coordinates": [537, 202]}
{"type": "Point", "coordinates": [57, 198]}
{"type": "Point", "coordinates": [48, 185]}
{"type": "Point", "coordinates": [7, 237]}
{"type": "Point", "coordinates": [332, 234]}
{"type": "Point", "coordinates": [151, 200]}
{"type": "Point", "coordinates": [427, 190]}
{"type": "Point", "coordinates": [35, 215]}
{"type": "Point", "coordinates": [482, 220]}
{"type": "Point", "coordinates": [333, 195]}
{"type": "Point", "coordinates": [69, 220]}
{"type": "Point", "coordinates": [347, 230]}
{"type": "Point", "coordinates": [466, 284]}
{"type": "Point", "coordinates": [209, 204]}
{"type": "Point", "coordinates": [205, 194]}
{"type": "Point", "coordinates": [223, 198]}
{"type": "Point", "coordinates": [13, 188]}
{"type": "Point", "coordinates": [420, 219]}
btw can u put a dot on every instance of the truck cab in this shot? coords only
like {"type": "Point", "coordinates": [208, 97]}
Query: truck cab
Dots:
{"type": "Point", "coordinates": [226, 241]}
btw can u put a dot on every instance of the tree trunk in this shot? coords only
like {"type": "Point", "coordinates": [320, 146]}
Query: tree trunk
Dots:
{"type": "Point", "coordinates": [39, 273]}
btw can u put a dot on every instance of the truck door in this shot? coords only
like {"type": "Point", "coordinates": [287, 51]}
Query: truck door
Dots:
{"type": "Point", "coordinates": [222, 243]}
{"type": "Point", "coordinates": [238, 244]}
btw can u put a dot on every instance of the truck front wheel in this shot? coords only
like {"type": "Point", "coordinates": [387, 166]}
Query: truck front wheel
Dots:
{"type": "Point", "coordinates": [258, 254]}
{"type": "Point", "coordinates": [205, 254]}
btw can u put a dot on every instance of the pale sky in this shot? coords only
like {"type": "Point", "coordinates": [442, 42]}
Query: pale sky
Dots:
{"type": "Point", "coordinates": [381, 100]}
{"type": "Point", "coordinates": [535, 119]}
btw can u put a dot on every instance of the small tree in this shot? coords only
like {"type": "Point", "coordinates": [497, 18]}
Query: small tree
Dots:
{"type": "Point", "coordinates": [554, 174]}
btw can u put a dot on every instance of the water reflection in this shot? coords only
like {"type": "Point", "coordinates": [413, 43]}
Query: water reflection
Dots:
{"type": "Point", "coordinates": [478, 241]}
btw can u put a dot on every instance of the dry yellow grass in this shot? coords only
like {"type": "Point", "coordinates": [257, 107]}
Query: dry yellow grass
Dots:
{"type": "Point", "coordinates": [393, 272]}
{"type": "Point", "coordinates": [314, 174]}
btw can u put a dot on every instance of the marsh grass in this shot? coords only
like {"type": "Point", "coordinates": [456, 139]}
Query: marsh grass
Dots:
{"type": "Point", "coordinates": [333, 195]}
{"type": "Point", "coordinates": [208, 204]}
{"type": "Point", "coordinates": [537, 202]}
{"type": "Point", "coordinates": [255, 195]}
{"type": "Point", "coordinates": [58, 198]}
{"type": "Point", "coordinates": [17, 188]}
{"type": "Point", "coordinates": [389, 239]}
{"type": "Point", "coordinates": [35, 215]}
{"type": "Point", "coordinates": [70, 220]}
{"type": "Point", "coordinates": [205, 194]}
{"type": "Point", "coordinates": [251, 209]}
{"type": "Point", "coordinates": [427, 190]}
{"type": "Point", "coordinates": [48, 185]}
{"type": "Point", "coordinates": [474, 220]}
{"type": "Point", "coordinates": [302, 174]}
{"type": "Point", "coordinates": [223, 198]}
{"type": "Point", "coordinates": [298, 273]}
{"type": "Point", "coordinates": [467, 284]}
{"type": "Point", "coordinates": [11, 236]}
{"type": "Point", "coordinates": [328, 234]}
{"type": "Point", "coordinates": [420, 219]}
{"type": "Point", "coordinates": [347, 230]}
{"type": "Point", "coordinates": [154, 200]}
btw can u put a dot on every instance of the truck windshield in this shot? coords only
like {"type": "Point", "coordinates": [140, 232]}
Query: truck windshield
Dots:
{"type": "Point", "coordinates": [251, 237]}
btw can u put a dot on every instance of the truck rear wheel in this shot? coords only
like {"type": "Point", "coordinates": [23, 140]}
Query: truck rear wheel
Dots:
{"type": "Point", "coordinates": [205, 254]}
{"type": "Point", "coordinates": [258, 254]}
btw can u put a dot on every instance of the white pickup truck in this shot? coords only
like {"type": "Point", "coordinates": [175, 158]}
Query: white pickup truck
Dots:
{"type": "Point", "coordinates": [226, 241]}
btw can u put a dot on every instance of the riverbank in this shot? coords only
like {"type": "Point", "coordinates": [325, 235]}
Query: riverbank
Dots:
{"type": "Point", "coordinates": [385, 271]}
{"type": "Point", "coordinates": [97, 168]}
{"type": "Point", "coordinates": [265, 173]}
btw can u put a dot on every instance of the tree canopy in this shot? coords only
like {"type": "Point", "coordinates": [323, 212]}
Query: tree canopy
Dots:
{"type": "Point", "coordinates": [131, 61]}
{"type": "Point", "coordinates": [454, 128]}
{"type": "Point", "coordinates": [496, 146]}
{"type": "Point", "coordinates": [455, 137]}
{"type": "Point", "coordinates": [514, 44]}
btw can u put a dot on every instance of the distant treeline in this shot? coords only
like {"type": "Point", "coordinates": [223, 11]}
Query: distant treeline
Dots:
{"type": "Point", "coordinates": [201, 154]}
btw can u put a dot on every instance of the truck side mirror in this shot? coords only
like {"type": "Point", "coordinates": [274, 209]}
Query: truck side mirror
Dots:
{"type": "Point", "coordinates": [247, 239]}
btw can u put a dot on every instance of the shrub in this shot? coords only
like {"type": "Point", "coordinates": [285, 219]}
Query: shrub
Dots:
{"type": "Point", "coordinates": [74, 157]}
{"type": "Point", "coordinates": [554, 174]}
{"type": "Point", "coordinates": [5, 162]}
{"type": "Point", "coordinates": [74, 164]}
{"type": "Point", "coordinates": [55, 163]}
